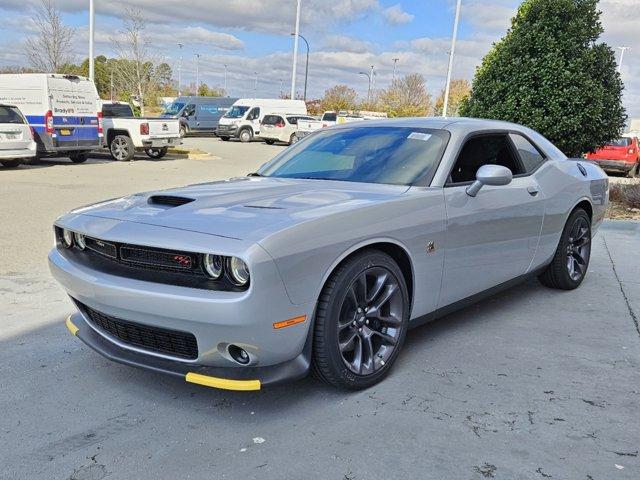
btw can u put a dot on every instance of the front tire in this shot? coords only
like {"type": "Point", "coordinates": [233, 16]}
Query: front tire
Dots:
{"type": "Point", "coordinates": [122, 148]}
{"type": "Point", "coordinates": [571, 260]}
{"type": "Point", "coordinates": [246, 135]}
{"type": "Point", "coordinates": [183, 131]}
{"type": "Point", "coordinates": [361, 321]}
{"type": "Point", "coordinates": [156, 153]}
{"type": "Point", "coordinates": [224, 139]}
{"type": "Point", "coordinates": [11, 163]}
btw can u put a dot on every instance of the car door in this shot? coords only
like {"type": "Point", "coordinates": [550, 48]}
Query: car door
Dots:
{"type": "Point", "coordinates": [254, 120]}
{"type": "Point", "coordinates": [206, 117]}
{"type": "Point", "coordinates": [491, 238]}
{"type": "Point", "coordinates": [63, 106]}
{"type": "Point", "coordinates": [189, 115]}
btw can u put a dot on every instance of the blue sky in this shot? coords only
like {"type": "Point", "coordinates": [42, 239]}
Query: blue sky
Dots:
{"type": "Point", "coordinates": [346, 36]}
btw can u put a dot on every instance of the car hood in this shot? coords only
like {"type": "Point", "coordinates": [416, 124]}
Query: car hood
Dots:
{"type": "Point", "coordinates": [248, 208]}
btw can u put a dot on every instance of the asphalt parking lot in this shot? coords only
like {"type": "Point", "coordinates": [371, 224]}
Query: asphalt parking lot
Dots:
{"type": "Point", "coordinates": [532, 383]}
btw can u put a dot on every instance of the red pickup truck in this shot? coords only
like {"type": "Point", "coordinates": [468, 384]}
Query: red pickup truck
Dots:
{"type": "Point", "coordinates": [621, 155]}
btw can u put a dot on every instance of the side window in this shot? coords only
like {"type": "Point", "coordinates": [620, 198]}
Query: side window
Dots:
{"type": "Point", "coordinates": [529, 155]}
{"type": "Point", "coordinates": [484, 150]}
{"type": "Point", "coordinates": [293, 120]}
{"type": "Point", "coordinates": [254, 114]}
{"type": "Point", "coordinates": [189, 111]}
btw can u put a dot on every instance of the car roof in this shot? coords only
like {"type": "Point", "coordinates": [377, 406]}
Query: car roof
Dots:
{"type": "Point", "coordinates": [7, 105]}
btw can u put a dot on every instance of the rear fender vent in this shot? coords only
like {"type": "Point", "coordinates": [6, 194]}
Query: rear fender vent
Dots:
{"type": "Point", "coordinates": [168, 200]}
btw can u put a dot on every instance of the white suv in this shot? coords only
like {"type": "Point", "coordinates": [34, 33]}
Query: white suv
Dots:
{"type": "Point", "coordinates": [281, 127]}
{"type": "Point", "coordinates": [16, 138]}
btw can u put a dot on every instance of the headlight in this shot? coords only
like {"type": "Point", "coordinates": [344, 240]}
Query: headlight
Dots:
{"type": "Point", "coordinates": [67, 238]}
{"type": "Point", "coordinates": [79, 239]}
{"type": "Point", "coordinates": [238, 271]}
{"type": "Point", "coordinates": [212, 265]}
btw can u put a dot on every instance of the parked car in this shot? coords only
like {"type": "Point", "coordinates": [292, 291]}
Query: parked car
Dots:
{"type": "Point", "coordinates": [61, 109]}
{"type": "Point", "coordinates": [621, 156]}
{"type": "Point", "coordinates": [124, 133]}
{"type": "Point", "coordinates": [325, 257]}
{"type": "Point", "coordinates": [198, 114]}
{"type": "Point", "coordinates": [330, 119]}
{"type": "Point", "coordinates": [281, 127]}
{"type": "Point", "coordinates": [243, 119]}
{"type": "Point", "coordinates": [16, 138]}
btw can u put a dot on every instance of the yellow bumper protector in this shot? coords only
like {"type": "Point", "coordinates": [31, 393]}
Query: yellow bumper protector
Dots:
{"type": "Point", "coordinates": [222, 383]}
{"type": "Point", "coordinates": [72, 328]}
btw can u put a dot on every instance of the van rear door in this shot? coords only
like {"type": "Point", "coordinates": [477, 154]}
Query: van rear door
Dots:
{"type": "Point", "coordinates": [63, 107]}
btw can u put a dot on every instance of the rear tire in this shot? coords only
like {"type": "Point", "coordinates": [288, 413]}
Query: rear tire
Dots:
{"type": "Point", "coordinates": [156, 153]}
{"type": "Point", "coordinates": [246, 135]}
{"type": "Point", "coordinates": [360, 322]}
{"type": "Point", "coordinates": [122, 149]}
{"type": "Point", "coordinates": [78, 157]}
{"type": "Point", "coordinates": [293, 139]}
{"type": "Point", "coordinates": [635, 171]}
{"type": "Point", "coordinates": [571, 260]}
{"type": "Point", "coordinates": [11, 163]}
{"type": "Point", "coordinates": [183, 131]}
{"type": "Point", "coordinates": [224, 139]}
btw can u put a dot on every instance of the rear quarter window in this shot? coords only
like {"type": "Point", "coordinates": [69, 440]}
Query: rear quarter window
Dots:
{"type": "Point", "coordinates": [529, 154]}
{"type": "Point", "coordinates": [10, 115]}
{"type": "Point", "coordinates": [272, 119]}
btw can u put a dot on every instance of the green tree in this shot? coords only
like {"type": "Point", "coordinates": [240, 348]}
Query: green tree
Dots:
{"type": "Point", "coordinates": [550, 73]}
{"type": "Point", "coordinates": [406, 97]}
{"type": "Point", "coordinates": [205, 91]}
{"type": "Point", "coordinates": [339, 97]}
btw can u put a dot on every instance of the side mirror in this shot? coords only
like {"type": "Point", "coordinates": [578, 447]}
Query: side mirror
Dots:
{"type": "Point", "coordinates": [490, 175]}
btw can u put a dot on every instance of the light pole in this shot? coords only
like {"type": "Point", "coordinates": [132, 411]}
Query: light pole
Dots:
{"type": "Point", "coordinates": [180, 45]}
{"type": "Point", "coordinates": [225, 79]}
{"type": "Point", "coordinates": [255, 87]}
{"type": "Point", "coordinates": [451, 54]}
{"type": "Point", "coordinates": [369, 90]}
{"type": "Point", "coordinates": [295, 52]}
{"type": "Point", "coordinates": [91, 38]}
{"type": "Point", "coordinates": [395, 61]}
{"type": "Point", "coordinates": [306, 67]}
{"type": "Point", "coordinates": [197, 73]}
{"type": "Point", "coordinates": [622, 50]}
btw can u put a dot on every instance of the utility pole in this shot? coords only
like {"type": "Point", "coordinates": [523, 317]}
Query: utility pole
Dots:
{"type": "Point", "coordinates": [369, 89]}
{"type": "Point", "coordinates": [622, 50]}
{"type": "Point", "coordinates": [295, 52]}
{"type": "Point", "coordinates": [306, 68]}
{"type": "Point", "coordinates": [451, 54]}
{"type": "Point", "coordinates": [180, 45]}
{"type": "Point", "coordinates": [111, 85]}
{"type": "Point", "coordinates": [255, 88]}
{"type": "Point", "coordinates": [197, 73]}
{"type": "Point", "coordinates": [395, 61]}
{"type": "Point", "coordinates": [91, 39]}
{"type": "Point", "coordinates": [372, 79]}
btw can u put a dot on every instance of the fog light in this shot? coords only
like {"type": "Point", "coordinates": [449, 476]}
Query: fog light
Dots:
{"type": "Point", "coordinates": [240, 355]}
{"type": "Point", "coordinates": [239, 272]}
{"type": "Point", "coordinates": [67, 238]}
{"type": "Point", "coordinates": [79, 239]}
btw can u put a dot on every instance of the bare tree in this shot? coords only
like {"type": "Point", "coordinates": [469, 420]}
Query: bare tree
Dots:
{"type": "Point", "coordinates": [135, 70]}
{"type": "Point", "coordinates": [50, 47]}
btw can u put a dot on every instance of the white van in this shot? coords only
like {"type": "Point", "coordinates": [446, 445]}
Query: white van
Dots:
{"type": "Point", "coordinates": [243, 118]}
{"type": "Point", "coordinates": [61, 109]}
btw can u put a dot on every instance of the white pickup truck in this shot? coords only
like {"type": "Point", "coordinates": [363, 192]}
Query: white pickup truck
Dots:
{"type": "Point", "coordinates": [125, 133]}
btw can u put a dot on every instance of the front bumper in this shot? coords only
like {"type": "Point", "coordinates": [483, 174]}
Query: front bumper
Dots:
{"type": "Point", "coordinates": [217, 319]}
{"type": "Point", "coordinates": [249, 378]}
{"type": "Point", "coordinates": [615, 165]}
{"type": "Point", "coordinates": [227, 130]}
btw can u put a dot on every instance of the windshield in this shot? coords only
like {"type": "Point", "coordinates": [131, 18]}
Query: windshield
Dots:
{"type": "Point", "coordinates": [10, 115]}
{"type": "Point", "coordinates": [174, 108]}
{"type": "Point", "coordinates": [391, 155]}
{"type": "Point", "coordinates": [114, 110]}
{"type": "Point", "coordinates": [236, 112]}
{"type": "Point", "coordinates": [329, 117]}
{"type": "Point", "coordinates": [620, 142]}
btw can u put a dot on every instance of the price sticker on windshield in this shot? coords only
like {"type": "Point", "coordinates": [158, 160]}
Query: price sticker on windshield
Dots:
{"type": "Point", "coordinates": [419, 136]}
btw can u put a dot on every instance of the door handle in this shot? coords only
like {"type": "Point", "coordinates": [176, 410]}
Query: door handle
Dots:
{"type": "Point", "coordinates": [533, 191]}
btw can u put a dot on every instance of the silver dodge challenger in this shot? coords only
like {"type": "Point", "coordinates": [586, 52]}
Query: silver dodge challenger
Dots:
{"type": "Point", "coordinates": [326, 256]}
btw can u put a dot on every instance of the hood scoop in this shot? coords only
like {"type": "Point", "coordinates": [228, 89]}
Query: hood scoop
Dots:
{"type": "Point", "coordinates": [168, 200]}
{"type": "Point", "coordinates": [264, 207]}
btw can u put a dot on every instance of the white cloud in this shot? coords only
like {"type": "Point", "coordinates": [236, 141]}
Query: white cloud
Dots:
{"type": "Point", "coordinates": [346, 44]}
{"type": "Point", "coordinates": [395, 15]}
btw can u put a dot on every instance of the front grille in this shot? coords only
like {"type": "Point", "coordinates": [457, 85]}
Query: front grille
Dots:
{"type": "Point", "coordinates": [155, 339]}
